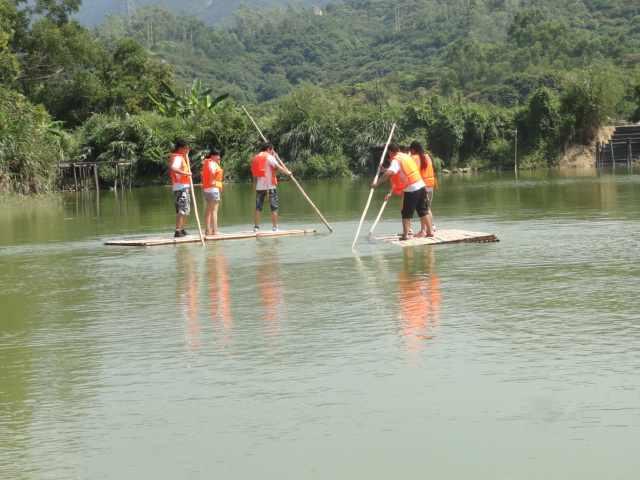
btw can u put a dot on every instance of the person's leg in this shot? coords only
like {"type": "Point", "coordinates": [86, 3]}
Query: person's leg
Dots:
{"type": "Point", "coordinates": [214, 215]}
{"type": "Point", "coordinates": [422, 209]}
{"type": "Point", "coordinates": [407, 214]}
{"type": "Point", "coordinates": [208, 215]}
{"type": "Point", "coordinates": [274, 203]}
{"type": "Point", "coordinates": [185, 208]}
{"type": "Point", "coordinates": [430, 203]}
{"type": "Point", "coordinates": [260, 194]}
{"type": "Point", "coordinates": [181, 211]}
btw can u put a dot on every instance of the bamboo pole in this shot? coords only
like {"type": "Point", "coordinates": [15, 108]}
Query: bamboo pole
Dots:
{"type": "Point", "coordinates": [366, 208]}
{"type": "Point", "coordinates": [384, 205]}
{"type": "Point", "coordinates": [193, 200]}
{"type": "Point", "coordinates": [293, 179]}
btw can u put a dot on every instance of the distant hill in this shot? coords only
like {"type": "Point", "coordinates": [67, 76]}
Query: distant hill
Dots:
{"type": "Point", "coordinates": [493, 50]}
{"type": "Point", "coordinates": [92, 12]}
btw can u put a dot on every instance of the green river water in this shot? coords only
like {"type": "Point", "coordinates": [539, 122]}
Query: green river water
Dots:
{"type": "Point", "coordinates": [295, 358]}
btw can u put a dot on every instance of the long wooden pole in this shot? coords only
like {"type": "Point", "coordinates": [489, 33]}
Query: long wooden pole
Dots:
{"type": "Point", "coordinates": [295, 181]}
{"type": "Point", "coordinates": [384, 205]}
{"type": "Point", "coordinates": [366, 208]}
{"type": "Point", "coordinates": [193, 200]}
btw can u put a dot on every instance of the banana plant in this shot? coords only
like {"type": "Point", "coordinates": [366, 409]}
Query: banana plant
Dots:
{"type": "Point", "coordinates": [191, 102]}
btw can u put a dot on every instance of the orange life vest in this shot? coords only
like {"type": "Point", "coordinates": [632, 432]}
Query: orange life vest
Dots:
{"type": "Point", "coordinates": [428, 175]}
{"type": "Point", "coordinates": [177, 178]}
{"type": "Point", "coordinates": [397, 185]}
{"type": "Point", "coordinates": [409, 172]}
{"type": "Point", "coordinates": [259, 167]}
{"type": "Point", "coordinates": [211, 180]}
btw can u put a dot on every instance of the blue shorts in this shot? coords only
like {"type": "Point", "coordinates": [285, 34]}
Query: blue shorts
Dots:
{"type": "Point", "coordinates": [274, 202]}
{"type": "Point", "coordinates": [212, 196]}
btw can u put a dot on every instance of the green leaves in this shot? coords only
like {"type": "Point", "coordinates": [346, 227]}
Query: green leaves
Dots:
{"type": "Point", "coordinates": [196, 101]}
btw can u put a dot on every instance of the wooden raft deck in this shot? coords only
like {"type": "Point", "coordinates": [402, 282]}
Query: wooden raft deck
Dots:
{"type": "Point", "coordinates": [156, 241]}
{"type": "Point", "coordinates": [441, 237]}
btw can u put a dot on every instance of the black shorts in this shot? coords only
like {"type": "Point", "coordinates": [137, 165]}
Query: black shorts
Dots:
{"type": "Point", "coordinates": [415, 202]}
{"type": "Point", "coordinates": [274, 202]}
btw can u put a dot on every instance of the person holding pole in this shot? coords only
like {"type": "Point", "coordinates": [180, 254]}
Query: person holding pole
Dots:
{"type": "Point", "coordinates": [407, 172]}
{"type": "Point", "coordinates": [264, 169]}
{"type": "Point", "coordinates": [180, 184]}
{"type": "Point", "coordinates": [212, 178]}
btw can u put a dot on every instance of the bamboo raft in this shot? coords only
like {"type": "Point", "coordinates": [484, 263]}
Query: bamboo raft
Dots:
{"type": "Point", "coordinates": [441, 237]}
{"type": "Point", "coordinates": [156, 241]}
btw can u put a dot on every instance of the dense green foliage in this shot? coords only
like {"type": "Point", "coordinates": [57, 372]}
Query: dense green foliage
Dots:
{"type": "Point", "coordinates": [460, 75]}
{"type": "Point", "coordinates": [30, 144]}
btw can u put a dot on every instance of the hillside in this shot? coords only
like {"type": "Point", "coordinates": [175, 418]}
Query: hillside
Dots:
{"type": "Point", "coordinates": [93, 12]}
{"type": "Point", "coordinates": [496, 50]}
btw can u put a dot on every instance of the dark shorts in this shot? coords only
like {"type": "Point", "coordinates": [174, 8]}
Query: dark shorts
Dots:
{"type": "Point", "coordinates": [183, 201]}
{"type": "Point", "coordinates": [274, 202]}
{"type": "Point", "coordinates": [415, 202]}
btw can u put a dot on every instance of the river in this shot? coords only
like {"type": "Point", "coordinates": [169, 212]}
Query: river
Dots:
{"type": "Point", "coordinates": [295, 358]}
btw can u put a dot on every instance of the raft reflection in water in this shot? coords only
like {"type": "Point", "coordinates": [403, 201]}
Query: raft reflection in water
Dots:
{"type": "Point", "coordinates": [419, 297]}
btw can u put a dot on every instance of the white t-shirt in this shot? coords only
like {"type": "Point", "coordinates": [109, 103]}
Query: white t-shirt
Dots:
{"type": "Point", "coordinates": [266, 182]}
{"type": "Point", "coordinates": [213, 168]}
{"type": "Point", "coordinates": [177, 163]}
{"type": "Point", "coordinates": [395, 168]}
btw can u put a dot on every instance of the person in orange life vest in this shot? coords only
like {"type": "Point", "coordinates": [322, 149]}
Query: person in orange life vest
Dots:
{"type": "Point", "coordinates": [427, 172]}
{"type": "Point", "coordinates": [180, 184]}
{"type": "Point", "coordinates": [264, 169]}
{"type": "Point", "coordinates": [414, 192]}
{"type": "Point", "coordinates": [212, 177]}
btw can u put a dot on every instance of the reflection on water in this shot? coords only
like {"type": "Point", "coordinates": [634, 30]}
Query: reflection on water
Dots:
{"type": "Point", "coordinates": [273, 359]}
{"type": "Point", "coordinates": [186, 279]}
{"type": "Point", "coordinates": [419, 297]}
{"type": "Point", "coordinates": [219, 292]}
{"type": "Point", "coordinates": [270, 285]}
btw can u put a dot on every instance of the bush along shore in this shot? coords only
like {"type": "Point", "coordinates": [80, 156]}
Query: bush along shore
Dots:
{"type": "Point", "coordinates": [68, 94]}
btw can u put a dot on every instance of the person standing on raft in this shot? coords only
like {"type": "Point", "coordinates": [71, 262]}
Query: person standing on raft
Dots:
{"type": "Point", "coordinates": [427, 172]}
{"type": "Point", "coordinates": [404, 172]}
{"type": "Point", "coordinates": [212, 178]}
{"type": "Point", "coordinates": [180, 184]}
{"type": "Point", "coordinates": [264, 169]}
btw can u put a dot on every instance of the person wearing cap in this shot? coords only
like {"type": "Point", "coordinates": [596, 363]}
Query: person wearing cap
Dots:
{"type": "Point", "coordinates": [405, 175]}
{"type": "Point", "coordinates": [264, 169]}
{"type": "Point", "coordinates": [212, 179]}
{"type": "Point", "coordinates": [180, 184]}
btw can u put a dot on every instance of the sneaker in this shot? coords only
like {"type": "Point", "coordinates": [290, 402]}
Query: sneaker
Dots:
{"type": "Point", "coordinates": [275, 229]}
{"type": "Point", "coordinates": [256, 228]}
{"type": "Point", "coordinates": [178, 234]}
{"type": "Point", "coordinates": [184, 232]}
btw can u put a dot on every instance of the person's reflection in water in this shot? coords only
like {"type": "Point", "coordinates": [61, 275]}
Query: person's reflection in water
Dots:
{"type": "Point", "coordinates": [419, 297]}
{"type": "Point", "coordinates": [187, 295]}
{"type": "Point", "coordinates": [219, 291]}
{"type": "Point", "coordinates": [270, 284]}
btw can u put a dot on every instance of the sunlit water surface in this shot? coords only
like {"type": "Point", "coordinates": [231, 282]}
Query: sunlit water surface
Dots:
{"type": "Point", "coordinates": [295, 358]}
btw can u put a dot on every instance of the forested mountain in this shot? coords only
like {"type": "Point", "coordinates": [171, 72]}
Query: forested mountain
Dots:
{"type": "Point", "coordinates": [462, 76]}
{"type": "Point", "coordinates": [93, 12]}
{"type": "Point", "coordinates": [498, 50]}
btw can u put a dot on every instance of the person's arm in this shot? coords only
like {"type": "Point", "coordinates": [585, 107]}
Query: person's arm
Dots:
{"type": "Point", "coordinates": [392, 170]}
{"type": "Point", "coordinates": [280, 166]}
{"type": "Point", "coordinates": [176, 167]}
{"type": "Point", "coordinates": [383, 178]}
